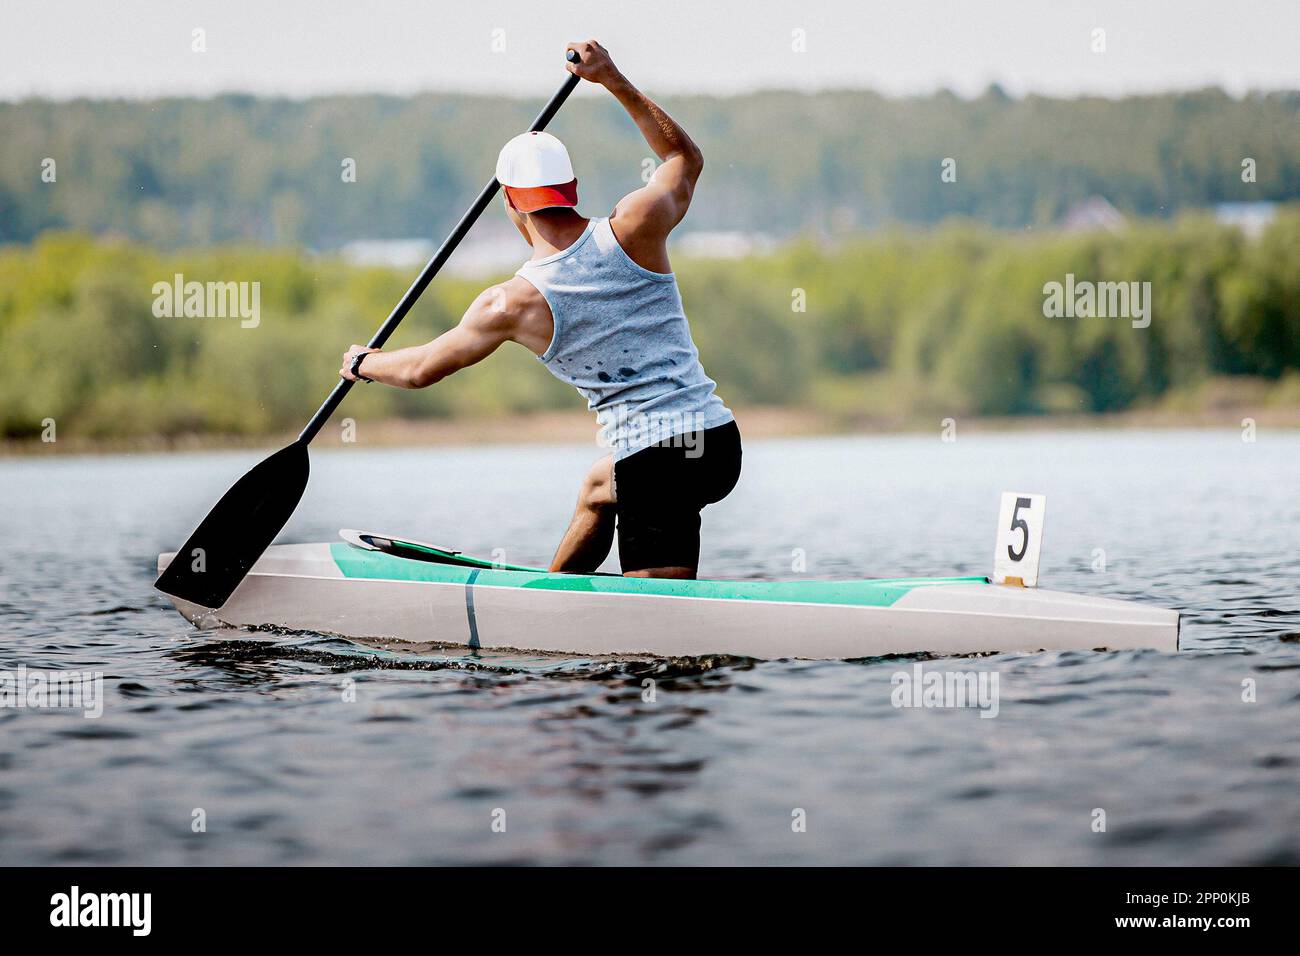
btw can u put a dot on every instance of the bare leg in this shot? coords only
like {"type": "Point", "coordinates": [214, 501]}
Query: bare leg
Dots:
{"type": "Point", "coordinates": [591, 532]}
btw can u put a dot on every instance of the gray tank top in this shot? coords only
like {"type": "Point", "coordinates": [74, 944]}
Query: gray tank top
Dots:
{"type": "Point", "coordinates": [621, 338]}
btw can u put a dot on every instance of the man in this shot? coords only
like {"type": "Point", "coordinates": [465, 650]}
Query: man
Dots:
{"type": "Point", "coordinates": [599, 305]}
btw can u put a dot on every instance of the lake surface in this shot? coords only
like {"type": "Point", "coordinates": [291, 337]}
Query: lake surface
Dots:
{"type": "Point", "coordinates": [254, 729]}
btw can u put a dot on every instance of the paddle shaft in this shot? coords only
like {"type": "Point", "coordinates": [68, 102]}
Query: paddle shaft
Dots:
{"type": "Point", "coordinates": [436, 263]}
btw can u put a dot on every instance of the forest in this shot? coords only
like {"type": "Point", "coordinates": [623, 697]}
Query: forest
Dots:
{"type": "Point", "coordinates": [321, 172]}
{"type": "Point", "coordinates": [902, 322]}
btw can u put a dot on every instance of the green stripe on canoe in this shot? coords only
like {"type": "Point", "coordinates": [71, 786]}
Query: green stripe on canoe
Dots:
{"type": "Point", "coordinates": [376, 565]}
{"type": "Point", "coordinates": [455, 557]}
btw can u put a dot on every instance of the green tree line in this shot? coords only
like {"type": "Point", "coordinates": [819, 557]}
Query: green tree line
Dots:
{"type": "Point", "coordinates": [904, 322]}
{"type": "Point", "coordinates": [183, 172]}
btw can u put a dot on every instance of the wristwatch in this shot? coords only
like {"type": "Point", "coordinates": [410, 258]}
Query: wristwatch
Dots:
{"type": "Point", "coordinates": [355, 368]}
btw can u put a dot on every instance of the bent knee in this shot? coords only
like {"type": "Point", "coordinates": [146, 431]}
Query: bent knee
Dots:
{"type": "Point", "coordinates": [598, 487]}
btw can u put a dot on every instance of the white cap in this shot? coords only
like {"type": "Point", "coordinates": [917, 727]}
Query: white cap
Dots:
{"type": "Point", "coordinates": [531, 167]}
{"type": "Point", "coordinates": [534, 159]}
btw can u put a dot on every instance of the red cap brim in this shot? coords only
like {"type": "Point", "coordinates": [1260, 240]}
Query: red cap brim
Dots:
{"type": "Point", "coordinates": [533, 198]}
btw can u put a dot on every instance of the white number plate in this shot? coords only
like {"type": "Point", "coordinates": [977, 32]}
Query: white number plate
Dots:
{"type": "Point", "coordinates": [1020, 539]}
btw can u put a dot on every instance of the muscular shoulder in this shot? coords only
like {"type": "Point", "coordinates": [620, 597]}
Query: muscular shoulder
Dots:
{"type": "Point", "coordinates": [502, 306]}
{"type": "Point", "coordinates": [515, 310]}
{"type": "Point", "coordinates": [643, 238]}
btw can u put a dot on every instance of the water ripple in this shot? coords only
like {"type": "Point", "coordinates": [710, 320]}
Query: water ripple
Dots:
{"type": "Point", "coordinates": [306, 749]}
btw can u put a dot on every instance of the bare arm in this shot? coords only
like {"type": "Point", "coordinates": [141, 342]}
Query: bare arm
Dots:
{"type": "Point", "coordinates": [487, 323]}
{"type": "Point", "coordinates": [660, 205]}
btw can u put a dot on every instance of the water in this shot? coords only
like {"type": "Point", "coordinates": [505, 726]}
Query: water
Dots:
{"type": "Point", "coordinates": [254, 730]}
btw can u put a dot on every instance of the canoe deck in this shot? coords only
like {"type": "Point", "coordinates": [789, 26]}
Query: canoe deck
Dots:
{"type": "Point", "coordinates": [360, 592]}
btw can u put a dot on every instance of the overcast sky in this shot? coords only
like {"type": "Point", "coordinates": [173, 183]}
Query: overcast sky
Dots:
{"type": "Point", "coordinates": [302, 47]}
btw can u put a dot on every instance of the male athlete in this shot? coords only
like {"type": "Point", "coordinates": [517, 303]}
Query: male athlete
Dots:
{"type": "Point", "coordinates": [599, 305]}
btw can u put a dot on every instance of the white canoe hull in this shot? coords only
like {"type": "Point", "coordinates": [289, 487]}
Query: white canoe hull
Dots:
{"type": "Point", "coordinates": [302, 587]}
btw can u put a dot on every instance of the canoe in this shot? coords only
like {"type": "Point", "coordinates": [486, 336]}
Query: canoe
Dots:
{"type": "Point", "coordinates": [371, 586]}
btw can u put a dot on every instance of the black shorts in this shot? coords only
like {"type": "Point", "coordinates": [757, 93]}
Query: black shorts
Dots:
{"type": "Point", "coordinates": [659, 492]}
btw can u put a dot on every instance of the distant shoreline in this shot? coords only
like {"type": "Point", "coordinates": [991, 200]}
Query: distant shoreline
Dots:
{"type": "Point", "coordinates": [577, 427]}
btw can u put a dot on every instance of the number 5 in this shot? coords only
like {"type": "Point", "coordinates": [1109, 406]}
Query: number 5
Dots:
{"type": "Point", "coordinates": [1020, 539]}
{"type": "Point", "coordinates": [1019, 524]}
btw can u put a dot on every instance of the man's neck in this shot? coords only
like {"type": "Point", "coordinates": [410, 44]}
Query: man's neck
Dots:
{"type": "Point", "coordinates": [555, 233]}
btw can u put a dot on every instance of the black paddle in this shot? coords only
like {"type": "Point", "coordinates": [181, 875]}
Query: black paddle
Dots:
{"type": "Point", "coordinates": [217, 556]}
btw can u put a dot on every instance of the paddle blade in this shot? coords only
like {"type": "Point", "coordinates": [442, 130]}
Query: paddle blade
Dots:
{"type": "Point", "coordinates": [217, 556]}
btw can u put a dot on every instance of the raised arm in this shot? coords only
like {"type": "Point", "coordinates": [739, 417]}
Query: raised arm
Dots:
{"type": "Point", "coordinates": [653, 210]}
{"type": "Point", "coordinates": [489, 321]}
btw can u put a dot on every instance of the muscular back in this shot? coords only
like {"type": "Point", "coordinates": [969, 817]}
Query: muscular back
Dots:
{"type": "Point", "coordinates": [642, 222]}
